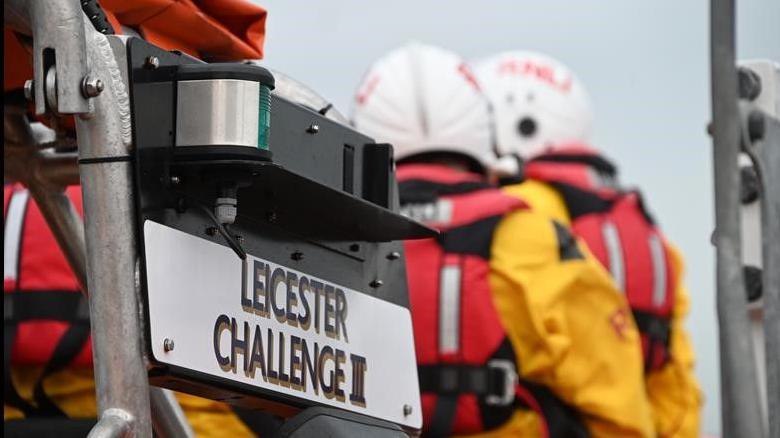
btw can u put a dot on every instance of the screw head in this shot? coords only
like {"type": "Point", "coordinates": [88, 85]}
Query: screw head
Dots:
{"type": "Point", "coordinates": [297, 256]}
{"type": "Point", "coordinates": [395, 255]}
{"type": "Point", "coordinates": [92, 86]}
{"type": "Point", "coordinates": [175, 180]}
{"type": "Point", "coordinates": [749, 83]}
{"type": "Point", "coordinates": [376, 283]}
{"type": "Point", "coordinates": [168, 344]}
{"type": "Point", "coordinates": [756, 126]}
{"type": "Point", "coordinates": [407, 410]}
{"type": "Point", "coordinates": [313, 128]}
{"type": "Point", "coordinates": [152, 62]}
{"type": "Point", "coordinates": [29, 89]}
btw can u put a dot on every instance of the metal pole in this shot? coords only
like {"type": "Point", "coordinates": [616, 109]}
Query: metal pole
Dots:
{"type": "Point", "coordinates": [769, 155]}
{"type": "Point", "coordinates": [740, 396]}
{"type": "Point", "coordinates": [104, 140]}
{"type": "Point", "coordinates": [43, 176]}
{"type": "Point", "coordinates": [167, 416]}
{"type": "Point", "coordinates": [114, 423]}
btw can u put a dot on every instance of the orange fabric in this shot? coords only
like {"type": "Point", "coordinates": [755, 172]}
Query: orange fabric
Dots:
{"type": "Point", "coordinates": [215, 30]}
{"type": "Point", "coordinates": [220, 30]}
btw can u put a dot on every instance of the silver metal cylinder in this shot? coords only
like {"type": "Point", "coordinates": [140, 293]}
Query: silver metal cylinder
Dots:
{"type": "Point", "coordinates": [217, 112]}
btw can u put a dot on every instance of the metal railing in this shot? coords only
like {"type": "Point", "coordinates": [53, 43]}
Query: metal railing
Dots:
{"type": "Point", "coordinates": [77, 72]}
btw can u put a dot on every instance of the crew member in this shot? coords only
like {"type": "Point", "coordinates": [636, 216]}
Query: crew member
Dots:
{"type": "Point", "coordinates": [518, 330]}
{"type": "Point", "coordinates": [542, 116]}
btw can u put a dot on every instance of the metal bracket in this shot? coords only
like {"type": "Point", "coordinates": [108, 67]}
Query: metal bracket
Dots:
{"type": "Point", "coordinates": [59, 43]}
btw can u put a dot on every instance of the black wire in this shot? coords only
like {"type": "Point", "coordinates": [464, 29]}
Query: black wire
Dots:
{"type": "Point", "coordinates": [234, 245]}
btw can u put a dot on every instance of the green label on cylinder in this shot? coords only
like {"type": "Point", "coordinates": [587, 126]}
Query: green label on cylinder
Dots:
{"type": "Point", "coordinates": [264, 117]}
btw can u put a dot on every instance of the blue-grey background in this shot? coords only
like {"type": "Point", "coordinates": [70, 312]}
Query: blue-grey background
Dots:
{"type": "Point", "coordinates": [646, 65]}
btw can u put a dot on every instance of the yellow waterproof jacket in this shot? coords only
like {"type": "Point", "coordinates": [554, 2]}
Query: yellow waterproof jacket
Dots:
{"type": "Point", "coordinates": [73, 390]}
{"type": "Point", "coordinates": [570, 327]}
{"type": "Point", "coordinates": [673, 391]}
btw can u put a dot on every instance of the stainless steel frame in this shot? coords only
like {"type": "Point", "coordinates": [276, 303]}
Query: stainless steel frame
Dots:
{"type": "Point", "coordinates": [104, 261]}
{"type": "Point", "coordinates": [741, 411]}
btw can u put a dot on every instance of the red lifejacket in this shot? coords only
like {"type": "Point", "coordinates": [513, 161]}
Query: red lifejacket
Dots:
{"type": "Point", "coordinates": [468, 374]}
{"type": "Point", "coordinates": [621, 233]}
{"type": "Point", "coordinates": [46, 318]}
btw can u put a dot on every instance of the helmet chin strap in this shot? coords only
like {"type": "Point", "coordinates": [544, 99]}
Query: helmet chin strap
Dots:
{"type": "Point", "coordinates": [508, 165]}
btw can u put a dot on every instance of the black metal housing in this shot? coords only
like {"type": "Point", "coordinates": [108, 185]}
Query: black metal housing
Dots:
{"type": "Point", "coordinates": [323, 201]}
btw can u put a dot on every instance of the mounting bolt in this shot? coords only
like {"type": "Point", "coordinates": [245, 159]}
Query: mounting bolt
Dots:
{"type": "Point", "coordinates": [297, 256]}
{"type": "Point", "coordinates": [313, 128]}
{"type": "Point", "coordinates": [92, 86]}
{"type": "Point", "coordinates": [749, 83]}
{"type": "Point", "coordinates": [168, 344]}
{"type": "Point", "coordinates": [756, 125]}
{"type": "Point", "coordinates": [175, 180]}
{"type": "Point", "coordinates": [29, 90]}
{"type": "Point", "coordinates": [395, 255]}
{"type": "Point", "coordinates": [376, 283]}
{"type": "Point", "coordinates": [749, 186]}
{"type": "Point", "coordinates": [152, 62]}
{"type": "Point", "coordinates": [354, 247]}
{"type": "Point", "coordinates": [407, 410]}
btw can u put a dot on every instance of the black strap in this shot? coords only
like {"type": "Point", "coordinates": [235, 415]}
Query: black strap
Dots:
{"type": "Point", "coordinates": [459, 379]}
{"type": "Point", "coordinates": [562, 420]}
{"type": "Point", "coordinates": [66, 306]}
{"type": "Point", "coordinates": [443, 416]}
{"type": "Point", "coordinates": [598, 162]}
{"type": "Point", "coordinates": [10, 396]}
{"type": "Point", "coordinates": [658, 331]}
{"type": "Point", "coordinates": [57, 305]}
{"type": "Point", "coordinates": [48, 427]}
{"type": "Point", "coordinates": [449, 382]}
{"type": "Point", "coordinates": [567, 244]}
{"type": "Point", "coordinates": [418, 190]}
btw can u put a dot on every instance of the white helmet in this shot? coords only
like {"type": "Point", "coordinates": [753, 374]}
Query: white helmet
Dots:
{"type": "Point", "coordinates": [537, 102]}
{"type": "Point", "coordinates": [424, 99]}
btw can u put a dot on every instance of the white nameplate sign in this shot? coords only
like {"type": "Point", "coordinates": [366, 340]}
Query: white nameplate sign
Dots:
{"type": "Point", "coordinates": [273, 327]}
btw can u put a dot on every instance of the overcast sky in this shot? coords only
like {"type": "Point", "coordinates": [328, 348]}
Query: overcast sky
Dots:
{"type": "Point", "coordinates": [644, 63]}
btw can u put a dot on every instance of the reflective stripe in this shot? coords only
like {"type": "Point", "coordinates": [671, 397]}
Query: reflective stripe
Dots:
{"type": "Point", "coordinates": [615, 253]}
{"type": "Point", "coordinates": [13, 233]}
{"type": "Point", "coordinates": [659, 270]}
{"type": "Point", "coordinates": [449, 309]}
{"type": "Point", "coordinates": [444, 209]}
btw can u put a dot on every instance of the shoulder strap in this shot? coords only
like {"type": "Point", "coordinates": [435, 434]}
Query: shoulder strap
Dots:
{"type": "Point", "coordinates": [576, 168]}
{"type": "Point", "coordinates": [14, 212]}
{"type": "Point", "coordinates": [65, 306]}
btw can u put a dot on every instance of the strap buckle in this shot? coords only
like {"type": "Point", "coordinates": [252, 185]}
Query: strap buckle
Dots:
{"type": "Point", "coordinates": [509, 382]}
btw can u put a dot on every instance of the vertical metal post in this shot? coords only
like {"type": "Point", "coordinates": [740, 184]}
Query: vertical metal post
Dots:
{"type": "Point", "coordinates": [769, 155]}
{"type": "Point", "coordinates": [104, 140]}
{"type": "Point", "coordinates": [740, 397]}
